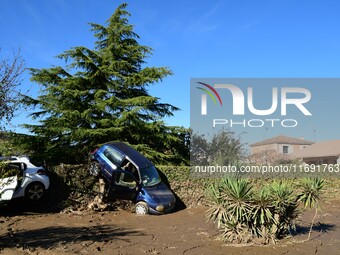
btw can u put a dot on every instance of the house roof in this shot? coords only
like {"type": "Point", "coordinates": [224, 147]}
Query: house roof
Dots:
{"type": "Point", "coordinates": [321, 149]}
{"type": "Point", "coordinates": [281, 139]}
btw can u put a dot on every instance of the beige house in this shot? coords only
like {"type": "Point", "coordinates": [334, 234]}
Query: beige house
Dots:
{"type": "Point", "coordinates": [327, 152]}
{"type": "Point", "coordinates": [278, 148]}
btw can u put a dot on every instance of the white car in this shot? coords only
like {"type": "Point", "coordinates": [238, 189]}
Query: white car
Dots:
{"type": "Point", "coordinates": [20, 178]}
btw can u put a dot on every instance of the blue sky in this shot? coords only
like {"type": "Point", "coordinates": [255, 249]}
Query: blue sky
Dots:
{"type": "Point", "coordinates": [196, 39]}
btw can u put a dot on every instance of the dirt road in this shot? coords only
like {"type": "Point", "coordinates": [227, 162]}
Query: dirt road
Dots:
{"type": "Point", "coordinates": [121, 232]}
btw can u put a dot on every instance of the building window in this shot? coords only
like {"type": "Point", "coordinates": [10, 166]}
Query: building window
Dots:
{"type": "Point", "coordinates": [285, 149]}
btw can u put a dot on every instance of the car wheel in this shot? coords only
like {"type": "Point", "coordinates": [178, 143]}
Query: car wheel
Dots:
{"type": "Point", "coordinates": [94, 168]}
{"type": "Point", "coordinates": [35, 191]}
{"type": "Point", "coordinates": [141, 208]}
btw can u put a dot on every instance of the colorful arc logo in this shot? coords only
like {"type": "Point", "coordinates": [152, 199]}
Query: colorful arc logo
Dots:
{"type": "Point", "coordinates": [210, 91]}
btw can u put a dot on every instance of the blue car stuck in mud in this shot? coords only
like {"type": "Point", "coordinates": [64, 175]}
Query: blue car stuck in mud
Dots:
{"type": "Point", "coordinates": [131, 176]}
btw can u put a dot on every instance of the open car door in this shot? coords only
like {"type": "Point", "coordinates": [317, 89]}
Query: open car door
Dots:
{"type": "Point", "coordinates": [7, 187]}
{"type": "Point", "coordinates": [11, 175]}
{"type": "Point", "coordinates": [123, 186]}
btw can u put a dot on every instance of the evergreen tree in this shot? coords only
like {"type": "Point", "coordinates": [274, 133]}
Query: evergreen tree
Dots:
{"type": "Point", "coordinates": [101, 95]}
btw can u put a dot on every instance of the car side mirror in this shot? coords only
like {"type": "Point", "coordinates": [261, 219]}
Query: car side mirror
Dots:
{"type": "Point", "coordinates": [23, 166]}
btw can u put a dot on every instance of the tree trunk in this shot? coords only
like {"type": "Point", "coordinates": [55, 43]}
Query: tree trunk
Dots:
{"type": "Point", "coordinates": [97, 204]}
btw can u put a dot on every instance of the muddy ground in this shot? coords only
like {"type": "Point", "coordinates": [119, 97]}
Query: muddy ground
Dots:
{"type": "Point", "coordinates": [122, 232]}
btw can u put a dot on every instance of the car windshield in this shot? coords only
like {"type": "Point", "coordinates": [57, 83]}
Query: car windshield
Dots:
{"type": "Point", "coordinates": [150, 176]}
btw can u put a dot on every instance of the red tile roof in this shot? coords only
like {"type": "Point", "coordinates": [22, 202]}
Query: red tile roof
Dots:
{"type": "Point", "coordinates": [281, 139]}
{"type": "Point", "coordinates": [321, 149]}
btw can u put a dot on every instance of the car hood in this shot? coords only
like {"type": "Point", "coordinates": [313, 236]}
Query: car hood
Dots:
{"type": "Point", "coordinates": [160, 193]}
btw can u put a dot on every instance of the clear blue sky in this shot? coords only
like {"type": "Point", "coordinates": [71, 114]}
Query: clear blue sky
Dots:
{"type": "Point", "coordinates": [207, 38]}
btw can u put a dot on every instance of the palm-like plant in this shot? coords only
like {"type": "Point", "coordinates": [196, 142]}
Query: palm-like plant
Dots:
{"type": "Point", "coordinates": [237, 193]}
{"type": "Point", "coordinates": [262, 214]}
{"type": "Point", "coordinates": [309, 196]}
{"type": "Point", "coordinates": [234, 231]}
{"type": "Point", "coordinates": [217, 212]}
{"type": "Point", "coordinates": [285, 206]}
{"type": "Point", "coordinates": [231, 206]}
{"type": "Point", "coordinates": [310, 192]}
{"type": "Point", "coordinates": [243, 211]}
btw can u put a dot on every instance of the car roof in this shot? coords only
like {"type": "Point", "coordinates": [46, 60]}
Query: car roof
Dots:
{"type": "Point", "coordinates": [131, 153]}
{"type": "Point", "coordinates": [7, 158]}
{"type": "Point", "coordinates": [15, 158]}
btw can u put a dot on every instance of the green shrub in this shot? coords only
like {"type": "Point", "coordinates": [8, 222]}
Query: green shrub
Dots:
{"type": "Point", "coordinates": [189, 191]}
{"type": "Point", "coordinates": [309, 196]}
{"type": "Point", "coordinates": [245, 211]}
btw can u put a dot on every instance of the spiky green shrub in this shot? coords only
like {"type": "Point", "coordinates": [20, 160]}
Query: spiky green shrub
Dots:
{"type": "Point", "coordinates": [309, 196]}
{"type": "Point", "coordinates": [262, 214]}
{"type": "Point", "coordinates": [244, 210]}
{"type": "Point", "coordinates": [217, 212]}
{"type": "Point", "coordinates": [284, 202]}
{"type": "Point", "coordinates": [231, 208]}
{"type": "Point", "coordinates": [310, 191]}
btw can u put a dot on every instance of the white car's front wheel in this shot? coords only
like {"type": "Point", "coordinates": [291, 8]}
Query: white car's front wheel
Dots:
{"type": "Point", "coordinates": [35, 191]}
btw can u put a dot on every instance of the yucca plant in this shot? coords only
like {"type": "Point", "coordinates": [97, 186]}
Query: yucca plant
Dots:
{"type": "Point", "coordinates": [217, 212]}
{"type": "Point", "coordinates": [309, 196]}
{"type": "Point", "coordinates": [231, 206]}
{"type": "Point", "coordinates": [235, 232]}
{"type": "Point", "coordinates": [244, 210]}
{"type": "Point", "coordinates": [238, 195]}
{"type": "Point", "coordinates": [285, 206]}
{"type": "Point", "coordinates": [310, 192]}
{"type": "Point", "coordinates": [262, 218]}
